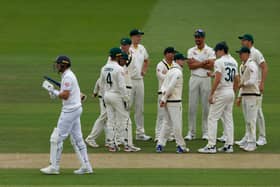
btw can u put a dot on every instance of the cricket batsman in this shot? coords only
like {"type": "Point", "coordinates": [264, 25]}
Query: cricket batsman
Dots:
{"type": "Point", "coordinates": [69, 121]}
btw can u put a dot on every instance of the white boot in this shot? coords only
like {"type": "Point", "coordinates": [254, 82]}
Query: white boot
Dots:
{"type": "Point", "coordinates": [50, 170]}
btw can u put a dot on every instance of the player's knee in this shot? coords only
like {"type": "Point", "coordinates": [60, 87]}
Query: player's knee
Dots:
{"type": "Point", "coordinates": [55, 136]}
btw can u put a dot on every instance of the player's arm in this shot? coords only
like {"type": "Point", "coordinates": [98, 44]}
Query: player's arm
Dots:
{"type": "Point", "coordinates": [253, 76]}
{"type": "Point", "coordinates": [96, 88]}
{"type": "Point", "coordinates": [169, 89]}
{"type": "Point", "coordinates": [122, 85]}
{"type": "Point", "coordinates": [264, 68]}
{"type": "Point", "coordinates": [208, 64]}
{"type": "Point", "coordinates": [194, 64]}
{"type": "Point", "coordinates": [145, 67]}
{"type": "Point", "coordinates": [146, 63]}
{"type": "Point", "coordinates": [217, 80]}
{"type": "Point", "coordinates": [64, 94]}
{"type": "Point", "coordinates": [236, 83]}
{"type": "Point", "coordinates": [161, 74]}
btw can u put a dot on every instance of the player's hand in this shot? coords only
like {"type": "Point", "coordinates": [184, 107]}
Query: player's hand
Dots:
{"type": "Point", "coordinates": [94, 95]}
{"type": "Point", "coordinates": [210, 74]}
{"type": "Point", "coordinates": [241, 85]}
{"type": "Point", "coordinates": [162, 103]}
{"type": "Point", "coordinates": [261, 87]}
{"type": "Point", "coordinates": [143, 73]}
{"type": "Point", "coordinates": [211, 99]}
{"type": "Point", "coordinates": [83, 97]}
{"type": "Point", "coordinates": [238, 101]}
{"type": "Point", "coordinates": [52, 96]}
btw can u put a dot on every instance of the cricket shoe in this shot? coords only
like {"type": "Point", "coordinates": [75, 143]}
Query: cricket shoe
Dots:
{"type": "Point", "coordinates": [261, 141]}
{"type": "Point", "coordinates": [143, 137]}
{"type": "Point", "coordinates": [159, 148]}
{"type": "Point", "coordinates": [189, 137]}
{"type": "Point", "coordinates": [241, 142]}
{"type": "Point", "coordinates": [222, 139]}
{"type": "Point", "coordinates": [226, 149]}
{"type": "Point", "coordinates": [181, 149]}
{"type": "Point", "coordinates": [132, 148]}
{"type": "Point", "coordinates": [114, 148]}
{"type": "Point", "coordinates": [92, 143]}
{"type": "Point", "coordinates": [83, 170]}
{"type": "Point", "coordinates": [250, 147]}
{"type": "Point", "coordinates": [208, 149]}
{"type": "Point", "coordinates": [50, 170]}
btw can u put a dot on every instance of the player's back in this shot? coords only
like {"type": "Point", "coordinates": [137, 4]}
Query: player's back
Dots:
{"type": "Point", "coordinates": [228, 67]}
{"type": "Point", "coordinates": [112, 77]}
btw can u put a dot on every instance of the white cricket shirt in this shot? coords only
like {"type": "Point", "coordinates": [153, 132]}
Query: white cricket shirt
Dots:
{"type": "Point", "coordinates": [206, 53]}
{"type": "Point", "coordinates": [69, 82]}
{"type": "Point", "coordinates": [139, 55]}
{"type": "Point", "coordinates": [228, 67]}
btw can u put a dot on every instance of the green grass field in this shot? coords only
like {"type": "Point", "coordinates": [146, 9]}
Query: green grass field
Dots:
{"type": "Point", "coordinates": [149, 177]}
{"type": "Point", "coordinates": [34, 32]}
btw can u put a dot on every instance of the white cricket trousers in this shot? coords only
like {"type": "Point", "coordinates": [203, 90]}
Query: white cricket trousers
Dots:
{"type": "Point", "coordinates": [250, 107]}
{"type": "Point", "coordinates": [199, 88]}
{"type": "Point", "coordinates": [117, 117]}
{"type": "Point", "coordinates": [69, 124]}
{"type": "Point", "coordinates": [137, 98]}
{"type": "Point", "coordinates": [260, 118]}
{"type": "Point", "coordinates": [100, 123]}
{"type": "Point", "coordinates": [221, 108]}
{"type": "Point", "coordinates": [172, 120]}
{"type": "Point", "coordinates": [160, 119]}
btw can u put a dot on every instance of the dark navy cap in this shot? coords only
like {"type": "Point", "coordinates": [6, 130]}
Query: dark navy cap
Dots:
{"type": "Point", "coordinates": [63, 60]}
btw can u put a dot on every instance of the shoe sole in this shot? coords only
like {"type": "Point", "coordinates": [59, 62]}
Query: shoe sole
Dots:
{"type": "Point", "coordinates": [47, 173]}
{"type": "Point", "coordinates": [83, 173]}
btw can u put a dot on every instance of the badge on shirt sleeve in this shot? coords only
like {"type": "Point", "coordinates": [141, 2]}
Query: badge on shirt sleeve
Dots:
{"type": "Point", "coordinates": [66, 84]}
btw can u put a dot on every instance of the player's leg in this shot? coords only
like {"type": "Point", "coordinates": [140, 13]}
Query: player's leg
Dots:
{"type": "Point", "coordinates": [98, 126]}
{"type": "Point", "coordinates": [175, 114]}
{"type": "Point", "coordinates": [109, 99]}
{"type": "Point", "coordinates": [261, 124]}
{"type": "Point", "coordinates": [139, 112]}
{"type": "Point", "coordinates": [79, 145]}
{"type": "Point", "coordinates": [59, 134]}
{"type": "Point", "coordinates": [160, 116]}
{"type": "Point", "coordinates": [223, 137]}
{"type": "Point", "coordinates": [251, 118]}
{"type": "Point", "coordinates": [163, 135]}
{"type": "Point", "coordinates": [215, 113]}
{"type": "Point", "coordinates": [193, 103]}
{"type": "Point", "coordinates": [228, 124]}
{"type": "Point", "coordinates": [243, 142]}
{"type": "Point", "coordinates": [205, 88]}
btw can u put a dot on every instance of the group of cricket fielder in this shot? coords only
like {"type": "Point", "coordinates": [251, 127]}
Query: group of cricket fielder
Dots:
{"type": "Point", "coordinates": [121, 85]}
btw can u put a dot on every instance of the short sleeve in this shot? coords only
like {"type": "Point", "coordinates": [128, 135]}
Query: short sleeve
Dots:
{"type": "Point", "coordinates": [259, 58]}
{"type": "Point", "coordinates": [218, 66]}
{"type": "Point", "coordinates": [67, 84]}
{"type": "Point", "coordinates": [211, 54]}
{"type": "Point", "coordinates": [189, 54]}
{"type": "Point", "coordinates": [146, 55]}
